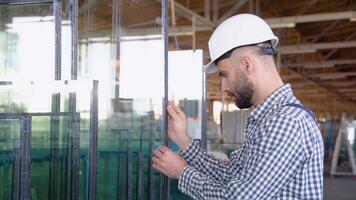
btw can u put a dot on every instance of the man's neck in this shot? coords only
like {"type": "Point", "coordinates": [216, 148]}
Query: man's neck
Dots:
{"type": "Point", "coordinates": [265, 91]}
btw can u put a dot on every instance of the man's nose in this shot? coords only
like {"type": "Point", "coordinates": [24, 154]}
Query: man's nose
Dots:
{"type": "Point", "coordinates": [224, 85]}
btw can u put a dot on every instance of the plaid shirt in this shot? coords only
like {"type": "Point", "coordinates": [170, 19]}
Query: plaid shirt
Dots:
{"type": "Point", "coordinates": [281, 157]}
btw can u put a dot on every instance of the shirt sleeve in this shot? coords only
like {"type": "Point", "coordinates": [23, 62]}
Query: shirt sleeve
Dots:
{"type": "Point", "coordinates": [217, 169]}
{"type": "Point", "coordinates": [272, 162]}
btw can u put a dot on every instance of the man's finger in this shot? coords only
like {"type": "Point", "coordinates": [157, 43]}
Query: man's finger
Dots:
{"type": "Point", "coordinates": [163, 148]}
{"type": "Point", "coordinates": [172, 113]}
{"type": "Point", "coordinates": [158, 153]}
{"type": "Point", "coordinates": [178, 110]}
{"type": "Point", "coordinates": [157, 167]}
{"type": "Point", "coordinates": [155, 160]}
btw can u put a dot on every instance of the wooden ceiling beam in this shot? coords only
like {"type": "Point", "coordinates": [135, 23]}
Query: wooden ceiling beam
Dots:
{"type": "Point", "coordinates": [332, 75]}
{"type": "Point", "coordinates": [190, 14]}
{"type": "Point", "coordinates": [340, 83]}
{"type": "Point", "coordinates": [311, 18]}
{"type": "Point", "coordinates": [307, 7]}
{"type": "Point", "coordinates": [347, 101]}
{"type": "Point", "coordinates": [232, 10]}
{"type": "Point", "coordinates": [312, 47]}
{"type": "Point", "coordinates": [325, 31]}
{"type": "Point", "coordinates": [331, 53]}
{"type": "Point", "coordinates": [322, 64]}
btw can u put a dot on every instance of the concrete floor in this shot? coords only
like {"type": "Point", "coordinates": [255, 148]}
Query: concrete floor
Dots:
{"type": "Point", "coordinates": [340, 188]}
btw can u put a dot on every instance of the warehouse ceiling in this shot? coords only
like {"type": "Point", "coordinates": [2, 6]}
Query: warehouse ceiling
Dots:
{"type": "Point", "coordinates": [316, 50]}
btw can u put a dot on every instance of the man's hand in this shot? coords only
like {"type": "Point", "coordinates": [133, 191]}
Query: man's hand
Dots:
{"type": "Point", "coordinates": [177, 126]}
{"type": "Point", "coordinates": [168, 162]}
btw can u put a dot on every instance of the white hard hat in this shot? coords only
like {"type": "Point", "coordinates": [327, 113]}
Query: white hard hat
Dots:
{"type": "Point", "coordinates": [236, 31]}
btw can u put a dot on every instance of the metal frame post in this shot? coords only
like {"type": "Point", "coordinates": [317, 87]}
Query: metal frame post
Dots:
{"type": "Point", "coordinates": [15, 183]}
{"type": "Point", "coordinates": [54, 136]}
{"type": "Point", "coordinates": [203, 111]}
{"type": "Point", "coordinates": [140, 167]}
{"type": "Point", "coordinates": [121, 164]}
{"type": "Point", "coordinates": [57, 10]}
{"type": "Point", "coordinates": [75, 158]}
{"type": "Point", "coordinates": [75, 119]}
{"type": "Point", "coordinates": [66, 161]}
{"type": "Point", "coordinates": [54, 133]}
{"type": "Point", "coordinates": [164, 179]}
{"type": "Point", "coordinates": [93, 142]}
{"type": "Point", "coordinates": [129, 166]}
{"type": "Point", "coordinates": [73, 5]}
{"type": "Point", "coordinates": [25, 151]}
{"type": "Point", "coordinates": [119, 161]}
{"type": "Point", "coordinates": [22, 163]}
{"type": "Point", "coordinates": [150, 150]}
{"type": "Point", "coordinates": [19, 2]}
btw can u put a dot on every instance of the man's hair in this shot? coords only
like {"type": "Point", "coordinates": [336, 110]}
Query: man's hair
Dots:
{"type": "Point", "coordinates": [263, 48]}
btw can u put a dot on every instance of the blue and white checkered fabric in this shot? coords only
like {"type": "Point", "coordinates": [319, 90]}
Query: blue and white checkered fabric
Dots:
{"type": "Point", "coordinates": [281, 158]}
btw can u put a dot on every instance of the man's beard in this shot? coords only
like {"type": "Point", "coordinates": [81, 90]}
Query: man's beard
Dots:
{"type": "Point", "coordinates": [242, 93]}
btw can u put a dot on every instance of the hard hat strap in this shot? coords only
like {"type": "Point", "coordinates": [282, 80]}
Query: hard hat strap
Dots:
{"type": "Point", "coordinates": [266, 48]}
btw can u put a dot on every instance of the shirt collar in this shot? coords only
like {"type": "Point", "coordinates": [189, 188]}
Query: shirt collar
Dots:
{"type": "Point", "coordinates": [273, 101]}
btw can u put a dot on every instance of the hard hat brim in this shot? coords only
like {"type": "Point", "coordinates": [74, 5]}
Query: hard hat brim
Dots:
{"type": "Point", "coordinates": [211, 68]}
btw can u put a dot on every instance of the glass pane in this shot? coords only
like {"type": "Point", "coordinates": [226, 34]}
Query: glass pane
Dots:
{"type": "Point", "coordinates": [46, 155]}
{"type": "Point", "coordinates": [186, 71]}
{"type": "Point", "coordinates": [9, 155]}
{"type": "Point", "coordinates": [120, 44]}
{"type": "Point", "coordinates": [23, 29]}
{"type": "Point", "coordinates": [59, 141]}
{"type": "Point", "coordinates": [66, 43]}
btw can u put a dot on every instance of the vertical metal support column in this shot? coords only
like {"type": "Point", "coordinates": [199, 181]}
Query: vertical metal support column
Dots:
{"type": "Point", "coordinates": [140, 167]}
{"type": "Point", "coordinates": [66, 164]}
{"type": "Point", "coordinates": [75, 158]}
{"type": "Point", "coordinates": [25, 158]}
{"type": "Point", "coordinates": [123, 183]}
{"type": "Point", "coordinates": [74, 35]}
{"type": "Point", "coordinates": [75, 118]}
{"type": "Point", "coordinates": [54, 138]}
{"type": "Point", "coordinates": [57, 10]}
{"type": "Point", "coordinates": [54, 134]}
{"type": "Point", "coordinates": [203, 112]}
{"type": "Point", "coordinates": [116, 26]}
{"type": "Point", "coordinates": [119, 169]}
{"type": "Point", "coordinates": [129, 166]}
{"type": "Point", "coordinates": [15, 182]}
{"type": "Point", "coordinates": [93, 141]}
{"type": "Point", "coordinates": [150, 150]}
{"type": "Point", "coordinates": [164, 179]}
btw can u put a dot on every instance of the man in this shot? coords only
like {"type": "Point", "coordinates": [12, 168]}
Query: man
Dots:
{"type": "Point", "coordinates": [282, 155]}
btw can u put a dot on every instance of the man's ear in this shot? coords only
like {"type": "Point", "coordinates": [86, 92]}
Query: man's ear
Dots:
{"type": "Point", "coordinates": [247, 64]}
